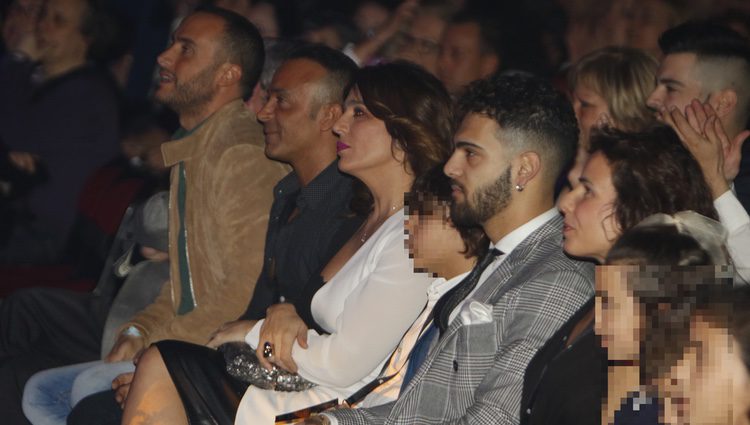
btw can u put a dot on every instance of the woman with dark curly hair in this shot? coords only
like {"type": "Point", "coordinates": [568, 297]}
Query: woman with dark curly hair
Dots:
{"type": "Point", "coordinates": [627, 177]}
{"type": "Point", "coordinates": [395, 130]}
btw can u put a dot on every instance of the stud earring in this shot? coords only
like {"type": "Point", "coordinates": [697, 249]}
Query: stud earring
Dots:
{"type": "Point", "coordinates": [519, 188]}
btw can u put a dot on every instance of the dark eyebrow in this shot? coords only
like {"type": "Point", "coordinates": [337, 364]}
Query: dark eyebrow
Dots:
{"type": "Point", "coordinates": [276, 90]}
{"type": "Point", "coordinates": [353, 102]}
{"type": "Point", "coordinates": [465, 144]}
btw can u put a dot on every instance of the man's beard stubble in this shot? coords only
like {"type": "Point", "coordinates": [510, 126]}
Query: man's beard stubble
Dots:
{"type": "Point", "coordinates": [486, 201]}
{"type": "Point", "coordinates": [193, 94]}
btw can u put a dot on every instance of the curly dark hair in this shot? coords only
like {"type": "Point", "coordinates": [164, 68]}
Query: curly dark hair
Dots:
{"type": "Point", "coordinates": [531, 109]}
{"type": "Point", "coordinates": [416, 109]}
{"type": "Point", "coordinates": [652, 172]}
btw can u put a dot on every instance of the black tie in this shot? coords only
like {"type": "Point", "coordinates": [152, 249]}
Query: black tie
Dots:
{"type": "Point", "coordinates": [452, 298]}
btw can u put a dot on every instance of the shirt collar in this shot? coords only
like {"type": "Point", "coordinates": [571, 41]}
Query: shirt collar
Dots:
{"type": "Point", "coordinates": [312, 195]}
{"type": "Point", "coordinates": [440, 286]}
{"type": "Point", "coordinates": [510, 241]}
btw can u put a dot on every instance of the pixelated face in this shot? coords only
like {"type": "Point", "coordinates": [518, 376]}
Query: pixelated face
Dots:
{"type": "Point", "coordinates": [289, 125]}
{"type": "Point", "coordinates": [421, 42]}
{"type": "Point", "coordinates": [364, 143]}
{"type": "Point", "coordinates": [590, 226]}
{"type": "Point", "coordinates": [58, 31]}
{"type": "Point", "coordinates": [480, 170]}
{"type": "Point", "coordinates": [677, 83]}
{"type": "Point", "coordinates": [709, 385]}
{"type": "Point", "coordinates": [590, 109]}
{"type": "Point", "coordinates": [460, 60]}
{"type": "Point", "coordinates": [432, 238]}
{"type": "Point", "coordinates": [617, 312]}
{"type": "Point", "coordinates": [188, 68]}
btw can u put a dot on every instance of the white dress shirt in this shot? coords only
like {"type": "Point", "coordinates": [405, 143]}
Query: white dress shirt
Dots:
{"type": "Point", "coordinates": [737, 222]}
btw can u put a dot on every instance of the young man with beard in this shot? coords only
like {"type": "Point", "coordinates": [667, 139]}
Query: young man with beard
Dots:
{"type": "Point", "coordinates": [220, 193]}
{"type": "Point", "coordinates": [516, 135]}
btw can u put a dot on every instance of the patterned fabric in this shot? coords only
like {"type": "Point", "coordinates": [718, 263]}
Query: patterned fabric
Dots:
{"type": "Point", "coordinates": [474, 374]}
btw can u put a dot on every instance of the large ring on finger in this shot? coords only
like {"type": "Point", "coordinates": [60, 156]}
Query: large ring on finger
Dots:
{"type": "Point", "coordinates": [267, 350]}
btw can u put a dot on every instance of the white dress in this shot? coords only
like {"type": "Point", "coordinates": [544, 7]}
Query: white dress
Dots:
{"type": "Point", "coordinates": [367, 307]}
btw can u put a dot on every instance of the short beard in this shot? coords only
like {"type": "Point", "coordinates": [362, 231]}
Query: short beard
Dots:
{"type": "Point", "coordinates": [191, 96]}
{"type": "Point", "coordinates": [485, 203]}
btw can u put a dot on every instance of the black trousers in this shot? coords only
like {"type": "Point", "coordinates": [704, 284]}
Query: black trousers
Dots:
{"type": "Point", "coordinates": [43, 328]}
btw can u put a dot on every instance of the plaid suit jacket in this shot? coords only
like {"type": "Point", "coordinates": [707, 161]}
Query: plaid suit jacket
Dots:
{"type": "Point", "coordinates": [474, 374]}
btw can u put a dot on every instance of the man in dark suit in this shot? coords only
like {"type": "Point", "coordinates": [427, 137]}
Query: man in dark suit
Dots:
{"type": "Point", "coordinates": [516, 136]}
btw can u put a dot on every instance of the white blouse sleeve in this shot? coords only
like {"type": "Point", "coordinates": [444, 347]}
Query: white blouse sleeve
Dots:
{"type": "Point", "coordinates": [737, 222]}
{"type": "Point", "coordinates": [374, 318]}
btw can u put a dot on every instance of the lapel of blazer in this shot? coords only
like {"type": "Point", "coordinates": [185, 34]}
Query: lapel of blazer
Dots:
{"type": "Point", "coordinates": [497, 284]}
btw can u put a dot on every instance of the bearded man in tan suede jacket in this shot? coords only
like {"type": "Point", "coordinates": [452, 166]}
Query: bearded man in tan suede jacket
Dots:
{"type": "Point", "coordinates": [221, 182]}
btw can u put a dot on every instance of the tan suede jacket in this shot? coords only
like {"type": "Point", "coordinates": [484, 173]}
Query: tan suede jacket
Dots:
{"type": "Point", "coordinates": [229, 185]}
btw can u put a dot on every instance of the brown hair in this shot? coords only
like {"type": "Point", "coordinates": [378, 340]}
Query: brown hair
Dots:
{"type": "Point", "coordinates": [652, 172]}
{"type": "Point", "coordinates": [416, 109]}
{"type": "Point", "coordinates": [434, 192]}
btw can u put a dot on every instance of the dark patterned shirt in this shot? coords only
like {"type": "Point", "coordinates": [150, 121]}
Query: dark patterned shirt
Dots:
{"type": "Point", "coordinates": [299, 248]}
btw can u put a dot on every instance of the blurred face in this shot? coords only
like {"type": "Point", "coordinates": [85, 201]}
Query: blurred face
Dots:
{"type": "Point", "coordinates": [364, 144]}
{"type": "Point", "coordinates": [188, 68]}
{"type": "Point", "coordinates": [709, 385]}
{"type": "Point", "coordinates": [647, 22]}
{"type": "Point", "coordinates": [591, 111]}
{"type": "Point", "coordinates": [590, 227]}
{"type": "Point", "coordinates": [58, 32]}
{"type": "Point", "coordinates": [618, 321]}
{"type": "Point", "coordinates": [370, 16]}
{"type": "Point", "coordinates": [480, 170]}
{"type": "Point", "coordinates": [461, 60]}
{"type": "Point", "coordinates": [676, 83]}
{"type": "Point", "coordinates": [289, 122]}
{"type": "Point", "coordinates": [432, 239]}
{"type": "Point", "coordinates": [263, 16]}
{"type": "Point", "coordinates": [421, 42]}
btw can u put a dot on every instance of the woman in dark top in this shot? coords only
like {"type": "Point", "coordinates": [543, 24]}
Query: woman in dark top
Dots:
{"type": "Point", "coordinates": [622, 182]}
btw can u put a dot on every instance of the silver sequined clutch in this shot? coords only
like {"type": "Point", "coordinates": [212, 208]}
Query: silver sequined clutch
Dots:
{"type": "Point", "coordinates": [242, 364]}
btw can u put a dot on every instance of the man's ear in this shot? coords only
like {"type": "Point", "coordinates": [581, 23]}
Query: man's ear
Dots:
{"type": "Point", "coordinates": [529, 166]}
{"type": "Point", "coordinates": [229, 74]}
{"type": "Point", "coordinates": [489, 64]}
{"type": "Point", "coordinates": [328, 115]}
{"type": "Point", "coordinates": [724, 103]}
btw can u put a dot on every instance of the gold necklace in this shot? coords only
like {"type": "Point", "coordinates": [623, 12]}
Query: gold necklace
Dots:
{"type": "Point", "coordinates": [365, 235]}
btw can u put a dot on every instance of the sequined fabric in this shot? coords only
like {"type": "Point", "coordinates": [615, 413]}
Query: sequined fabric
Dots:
{"type": "Point", "coordinates": [242, 364]}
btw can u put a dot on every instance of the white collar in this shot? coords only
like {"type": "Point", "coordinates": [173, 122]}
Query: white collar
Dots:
{"type": "Point", "coordinates": [440, 285]}
{"type": "Point", "coordinates": [510, 241]}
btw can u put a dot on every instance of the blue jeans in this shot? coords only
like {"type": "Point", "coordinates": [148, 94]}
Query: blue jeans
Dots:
{"type": "Point", "coordinates": [50, 395]}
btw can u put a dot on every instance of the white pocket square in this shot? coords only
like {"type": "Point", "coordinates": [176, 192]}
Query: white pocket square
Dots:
{"type": "Point", "coordinates": [475, 312]}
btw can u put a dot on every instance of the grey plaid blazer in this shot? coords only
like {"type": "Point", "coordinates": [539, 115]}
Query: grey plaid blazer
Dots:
{"type": "Point", "coordinates": [474, 374]}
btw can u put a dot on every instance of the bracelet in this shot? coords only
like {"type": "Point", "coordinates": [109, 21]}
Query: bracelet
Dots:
{"type": "Point", "coordinates": [132, 331]}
